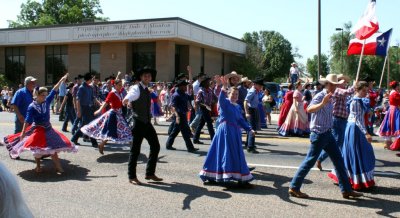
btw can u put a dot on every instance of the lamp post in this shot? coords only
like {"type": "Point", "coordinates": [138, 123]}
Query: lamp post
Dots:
{"type": "Point", "coordinates": [341, 50]}
{"type": "Point", "coordinates": [319, 40]}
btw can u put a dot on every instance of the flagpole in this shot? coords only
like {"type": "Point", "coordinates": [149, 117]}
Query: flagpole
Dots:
{"type": "Point", "coordinates": [388, 69]}
{"type": "Point", "coordinates": [383, 71]}
{"type": "Point", "coordinates": [359, 63]}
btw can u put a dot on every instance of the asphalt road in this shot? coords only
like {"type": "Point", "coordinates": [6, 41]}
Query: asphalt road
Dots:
{"type": "Point", "coordinates": [97, 186]}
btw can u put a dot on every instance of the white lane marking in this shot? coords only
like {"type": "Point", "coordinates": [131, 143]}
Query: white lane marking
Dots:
{"type": "Point", "coordinates": [383, 173]}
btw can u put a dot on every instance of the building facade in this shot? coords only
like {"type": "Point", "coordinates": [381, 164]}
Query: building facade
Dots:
{"type": "Point", "coordinates": [104, 48]}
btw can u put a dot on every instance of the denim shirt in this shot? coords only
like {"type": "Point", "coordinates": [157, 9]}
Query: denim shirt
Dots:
{"type": "Point", "coordinates": [22, 99]}
{"type": "Point", "coordinates": [85, 95]}
{"type": "Point", "coordinates": [180, 102]}
{"type": "Point", "coordinates": [252, 98]}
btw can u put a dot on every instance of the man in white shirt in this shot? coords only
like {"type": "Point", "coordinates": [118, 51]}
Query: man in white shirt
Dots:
{"type": "Point", "coordinates": [140, 102]}
{"type": "Point", "coordinates": [294, 74]}
{"type": "Point", "coordinates": [196, 89]}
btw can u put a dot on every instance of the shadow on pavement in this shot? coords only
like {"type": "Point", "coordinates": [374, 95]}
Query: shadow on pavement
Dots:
{"type": "Point", "coordinates": [385, 207]}
{"type": "Point", "coordinates": [192, 192]}
{"type": "Point", "coordinates": [385, 163]}
{"type": "Point", "coordinates": [72, 172]}
{"type": "Point", "coordinates": [278, 187]}
{"type": "Point", "coordinates": [119, 158]}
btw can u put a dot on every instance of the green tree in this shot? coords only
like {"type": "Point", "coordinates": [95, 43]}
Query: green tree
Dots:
{"type": "Point", "coordinates": [312, 66]}
{"type": "Point", "coordinates": [268, 55]}
{"type": "Point", "coordinates": [50, 12]}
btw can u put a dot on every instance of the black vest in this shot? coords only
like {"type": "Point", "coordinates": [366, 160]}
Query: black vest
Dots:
{"type": "Point", "coordinates": [141, 107]}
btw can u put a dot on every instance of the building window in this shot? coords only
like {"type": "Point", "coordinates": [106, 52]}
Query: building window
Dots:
{"type": "Point", "coordinates": [202, 60]}
{"type": "Point", "coordinates": [15, 64]}
{"type": "Point", "coordinates": [94, 61]}
{"type": "Point", "coordinates": [144, 55]}
{"type": "Point", "coordinates": [56, 62]}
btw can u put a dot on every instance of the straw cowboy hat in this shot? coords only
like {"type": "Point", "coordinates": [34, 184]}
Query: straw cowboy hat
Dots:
{"type": "Point", "coordinates": [344, 77]}
{"type": "Point", "coordinates": [233, 74]}
{"type": "Point", "coordinates": [331, 78]}
{"type": "Point", "coordinates": [245, 80]}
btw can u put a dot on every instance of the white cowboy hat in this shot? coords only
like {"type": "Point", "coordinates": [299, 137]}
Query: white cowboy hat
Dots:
{"type": "Point", "coordinates": [294, 63]}
{"type": "Point", "coordinates": [344, 77]}
{"type": "Point", "coordinates": [331, 78]}
{"type": "Point", "coordinates": [245, 79]}
{"type": "Point", "coordinates": [233, 74]}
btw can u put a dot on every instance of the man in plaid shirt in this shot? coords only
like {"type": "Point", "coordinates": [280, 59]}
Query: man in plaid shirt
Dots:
{"type": "Point", "coordinates": [204, 100]}
{"type": "Point", "coordinates": [340, 115]}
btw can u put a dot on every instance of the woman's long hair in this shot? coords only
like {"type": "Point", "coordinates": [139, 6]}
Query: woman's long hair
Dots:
{"type": "Point", "coordinates": [12, 204]}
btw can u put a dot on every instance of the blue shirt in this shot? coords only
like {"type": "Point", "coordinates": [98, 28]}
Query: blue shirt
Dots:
{"type": "Point", "coordinates": [322, 120]}
{"type": "Point", "coordinates": [252, 98]}
{"type": "Point", "coordinates": [180, 102]}
{"type": "Point", "coordinates": [62, 91]}
{"type": "Point", "coordinates": [40, 113]}
{"type": "Point", "coordinates": [85, 95]}
{"type": "Point", "coordinates": [22, 99]}
{"type": "Point", "coordinates": [242, 96]}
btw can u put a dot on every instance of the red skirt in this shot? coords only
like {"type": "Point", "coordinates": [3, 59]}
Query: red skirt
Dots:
{"type": "Point", "coordinates": [40, 140]}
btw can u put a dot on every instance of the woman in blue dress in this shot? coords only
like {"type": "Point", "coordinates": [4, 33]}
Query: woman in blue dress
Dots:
{"type": "Point", "coordinates": [225, 160]}
{"type": "Point", "coordinates": [38, 135]}
{"type": "Point", "coordinates": [357, 151]}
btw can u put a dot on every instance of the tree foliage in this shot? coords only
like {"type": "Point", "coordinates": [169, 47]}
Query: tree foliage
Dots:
{"type": "Point", "coordinates": [312, 66]}
{"type": "Point", "coordinates": [268, 55]}
{"type": "Point", "coordinates": [50, 12]}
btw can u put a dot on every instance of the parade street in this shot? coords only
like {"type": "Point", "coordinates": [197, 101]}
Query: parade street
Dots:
{"type": "Point", "coordinates": [95, 185]}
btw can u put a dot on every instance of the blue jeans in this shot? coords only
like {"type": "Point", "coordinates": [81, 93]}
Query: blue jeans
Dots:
{"type": "Point", "coordinates": [293, 78]}
{"type": "Point", "coordinates": [324, 141]}
{"type": "Point", "coordinates": [18, 125]}
{"type": "Point", "coordinates": [86, 117]}
{"type": "Point", "coordinates": [70, 116]}
{"type": "Point", "coordinates": [338, 130]}
{"type": "Point", "coordinates": [196, 120]}
{"type": "Point", "coordinates": [250, 140]}
{"type": "Point", "coordinates": [205, 117]}
{"type": "Point", "coordinates": [76, 124]}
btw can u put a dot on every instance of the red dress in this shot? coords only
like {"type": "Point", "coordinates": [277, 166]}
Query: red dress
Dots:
{"type": "Point", "coordinates": [110, 126]}
{"type": "Point", "coordinates": [287, 104]}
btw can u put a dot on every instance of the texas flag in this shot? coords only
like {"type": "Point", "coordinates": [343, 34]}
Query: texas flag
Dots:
{"type": "Point", "coordinates": [368, 23]}
{"type": "Point", "coordinates": [377, 44]}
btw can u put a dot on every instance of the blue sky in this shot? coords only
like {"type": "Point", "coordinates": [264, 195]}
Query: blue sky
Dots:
{"type": "Point", "coordinates": [295, 19]}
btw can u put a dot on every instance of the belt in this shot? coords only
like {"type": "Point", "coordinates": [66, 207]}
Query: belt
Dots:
{"type": "Point", "coordinates": [340, 118]}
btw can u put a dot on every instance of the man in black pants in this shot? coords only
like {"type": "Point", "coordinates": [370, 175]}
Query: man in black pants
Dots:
{"type": "Point", "coordinates": [139, 99]}
{"type": "Point", "coordinates": [180, 104]}
{"type": "Point", "coordinates": [84, 108]}
{"type": "Point", "coordinates": [204, 100]}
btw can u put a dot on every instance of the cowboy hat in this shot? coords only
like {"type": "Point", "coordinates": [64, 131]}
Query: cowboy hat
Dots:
{"type": "Point", "coordinates": [146, 70]}
{"type": "Point", "coordinates": [344, 77]}
{"type": "Point", "coordinates": [331, 78]}
{"type": "Point", "coordinates": [294, 63]}
{"type": "Point", "coordinates": [233, 74]}
{"type": "Point", "coordinates": [368, 79]}
{"type": "Point", "coordinates": [245, 79]}
{"type": "Point", "coordinates": [181, 83]}
{"type": "Point", "coordinates": [205, 80]}
{"type": "Point", "coordinates": [259, 81]}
